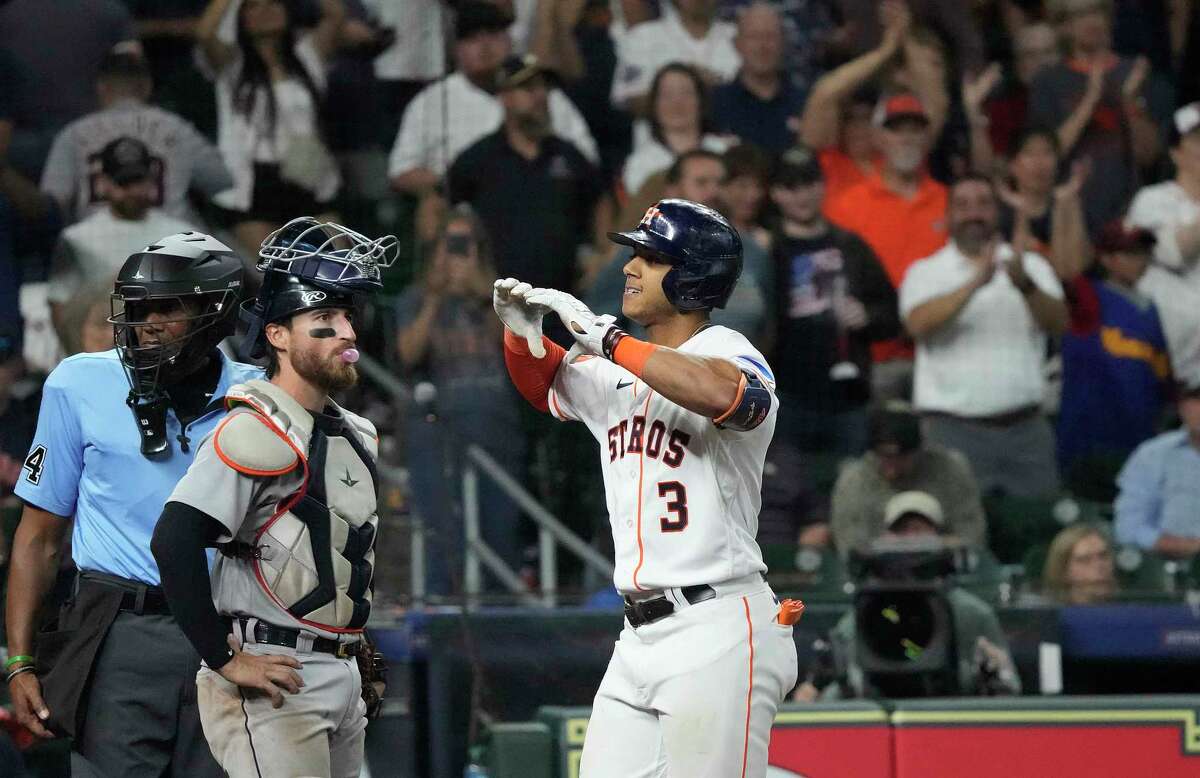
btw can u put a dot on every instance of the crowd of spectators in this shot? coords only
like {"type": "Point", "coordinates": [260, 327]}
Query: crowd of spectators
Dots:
{"type": "Point", "coordinates": [971, 229]}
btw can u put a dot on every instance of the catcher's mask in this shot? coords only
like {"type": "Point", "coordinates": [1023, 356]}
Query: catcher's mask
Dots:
{"type": "Point", "coordinates": [308, 264]}
{"type": "Point", "coordinates": [188, 278]}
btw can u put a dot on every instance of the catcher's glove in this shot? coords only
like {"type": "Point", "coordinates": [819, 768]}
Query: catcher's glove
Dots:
{"type": "Point", "coordinates": [372, 666]}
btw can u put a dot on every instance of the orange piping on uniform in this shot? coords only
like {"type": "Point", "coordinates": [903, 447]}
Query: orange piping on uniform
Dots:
{"type": "Point", "coordinates": [641, 467]}
{"type": "Point", "coordinates": [750, 690]}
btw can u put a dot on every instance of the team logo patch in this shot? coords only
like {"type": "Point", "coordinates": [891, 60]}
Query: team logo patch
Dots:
{"type": "Point", "coordinates": [34, 463]}
{"type": "Point", "coordinates": [651, 213]}
{"type": "Point", "coordinates": [308, 298]}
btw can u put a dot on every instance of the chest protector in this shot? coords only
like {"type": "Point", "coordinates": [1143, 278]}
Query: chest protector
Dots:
{"type": "Point", "coordinates": [313, 553]}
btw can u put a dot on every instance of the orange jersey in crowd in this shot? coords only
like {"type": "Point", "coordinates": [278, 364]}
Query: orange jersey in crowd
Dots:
{"type": "Point", "coordinates": [840, 171]}
{"type": "Point", "coordinates": [901, 231]}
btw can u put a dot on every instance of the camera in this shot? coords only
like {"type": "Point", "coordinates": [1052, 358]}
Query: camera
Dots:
{"type": "Point", "coordinates": [906, 642]}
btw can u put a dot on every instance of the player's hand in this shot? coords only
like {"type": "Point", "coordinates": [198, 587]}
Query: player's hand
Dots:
{"type": "Point", "coordinates": [588, 329]}
{"type": "Point", "coordinates": [271, 674]}
{"type": "Point", "coordinates": [28, 705]}
{"type": "Point", "coordinates": [524, 319]}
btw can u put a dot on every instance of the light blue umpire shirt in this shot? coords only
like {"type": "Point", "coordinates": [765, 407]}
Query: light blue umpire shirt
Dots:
{"type": "Point", "coordinates": [86, 462]}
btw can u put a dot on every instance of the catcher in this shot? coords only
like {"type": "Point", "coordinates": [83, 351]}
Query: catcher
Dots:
{"type": "Point", "coordinates": [285, 488]}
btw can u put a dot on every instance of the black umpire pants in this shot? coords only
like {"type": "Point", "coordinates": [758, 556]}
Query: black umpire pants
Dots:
{"type": "Point", "coordinates": [141, 719]}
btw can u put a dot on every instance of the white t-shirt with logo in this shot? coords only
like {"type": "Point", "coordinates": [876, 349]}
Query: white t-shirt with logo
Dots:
{"type": "Point", "coordinates": [683, 494]}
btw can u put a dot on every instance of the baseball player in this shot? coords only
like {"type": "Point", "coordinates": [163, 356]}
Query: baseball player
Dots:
{"type": "Point", "coordinates": [285, 487]}
{"type": "Point", "coordinates": [683, 421]}
{"type": "Point", "coordinates": [131, 711]}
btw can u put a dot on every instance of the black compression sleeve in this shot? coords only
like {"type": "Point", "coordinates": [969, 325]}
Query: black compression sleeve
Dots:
{"type": "Point", "coordinates": [178, 546]}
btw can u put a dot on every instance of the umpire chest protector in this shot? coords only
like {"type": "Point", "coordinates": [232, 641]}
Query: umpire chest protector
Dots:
{"type": "Point", "coordinates": [313, 550]}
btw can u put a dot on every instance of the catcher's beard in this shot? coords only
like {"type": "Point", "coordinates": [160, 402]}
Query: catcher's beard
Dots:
{"type": "Point", "coordinates": [328, 373]}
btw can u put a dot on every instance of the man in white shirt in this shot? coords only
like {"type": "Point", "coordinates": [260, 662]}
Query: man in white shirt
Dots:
{"type": "Point", "coordinates": [93, 250]}
{"type": "Point", "coordinates": [980, 313]}
{"type": "Point", "coordinates": [454, 112]}
{"type": "Point", "coordinates": [691, 35]}
{"type": "Point", "coordinates": [1171, 210]}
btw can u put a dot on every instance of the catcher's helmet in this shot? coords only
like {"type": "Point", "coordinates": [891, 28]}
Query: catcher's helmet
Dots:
{"type": "Point", "coordinates": [194, 275]}
{"type": "Point", "coordinates": [702, 246]}
{"type": "Point", "coordinates": [308, 264]}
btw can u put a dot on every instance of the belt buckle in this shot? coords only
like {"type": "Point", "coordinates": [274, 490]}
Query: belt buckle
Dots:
{"type": "Point", "coordinates": [345, 650]}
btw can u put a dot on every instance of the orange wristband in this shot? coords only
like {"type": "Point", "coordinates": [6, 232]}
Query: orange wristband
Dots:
{"type": "Point", "coordinates": [631, 354]}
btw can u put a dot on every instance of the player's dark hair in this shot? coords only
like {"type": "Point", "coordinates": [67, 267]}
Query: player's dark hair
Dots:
{"type": "Point", "coordinates": [701, 93]}
{"type": "Point", "coordinates": [675, 172]}
{"type": "Point", "coordinates": [254, 75]}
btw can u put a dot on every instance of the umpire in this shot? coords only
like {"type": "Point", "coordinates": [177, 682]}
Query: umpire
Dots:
{"type": "Point", "coordinates": [115, 672]}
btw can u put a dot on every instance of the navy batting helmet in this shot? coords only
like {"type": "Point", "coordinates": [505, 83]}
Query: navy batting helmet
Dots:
{"type": "Point", "coordinates": [308, 264]}
{"type": "Point", "coordinates": [704, 249]}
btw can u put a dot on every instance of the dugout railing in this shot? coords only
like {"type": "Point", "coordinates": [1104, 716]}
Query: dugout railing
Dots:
{"type": "Point", "coordinates": [478, 555]}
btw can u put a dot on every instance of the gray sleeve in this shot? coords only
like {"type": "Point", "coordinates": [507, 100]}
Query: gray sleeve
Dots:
{"type": "Point", "coordinates": [60, 179]}
{"type": "Point", "coordinates": [209, 174]}
{"type": "Point", "coordinates": [215, 488]}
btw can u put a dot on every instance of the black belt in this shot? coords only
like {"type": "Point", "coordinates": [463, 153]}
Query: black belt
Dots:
{"type": "Point", "coordinates": [150, 601]}
{"type": "Point", "coordinates": [136, 597]}
{"type": "Point", "coordinates": [642, 612]}
{"type": "Point", "coordinates": [283, 636]}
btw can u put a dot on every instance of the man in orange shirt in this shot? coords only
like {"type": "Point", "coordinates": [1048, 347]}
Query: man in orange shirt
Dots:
{"type": "Point", "coordinates": [900, 212]}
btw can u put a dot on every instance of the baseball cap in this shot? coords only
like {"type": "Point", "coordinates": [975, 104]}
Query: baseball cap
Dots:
{"type": "Point", "coordinates": [515, 71]}
{"type": "Point", "coordinates": [1185, 121]}
{"type": "Point", "coordinates": [921, 503]}
{"type": "Point", "coordinates": [1115, 236]}
{"type": "Point", "coordinates": [899, 106]}
{"type": "Point", "coordinates": [797, 167]}
{"type": "Point", "coordinates": [126, 160]}
{"type": "Point", "coordinates": [474, 17]}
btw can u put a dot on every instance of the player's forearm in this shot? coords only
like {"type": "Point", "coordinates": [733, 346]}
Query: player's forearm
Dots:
{"type": "Point", "coordinates": [533, 377]}
{"type": "Point", "coordinates": [180, 537]}
{"type": "Point", "coordinates": [32, 569]}
{"type": "Point", "coordinates": [702, 385]}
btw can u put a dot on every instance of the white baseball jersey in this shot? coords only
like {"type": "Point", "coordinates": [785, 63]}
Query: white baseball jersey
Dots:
{"type": "Point", "coordinates": [683, 494]}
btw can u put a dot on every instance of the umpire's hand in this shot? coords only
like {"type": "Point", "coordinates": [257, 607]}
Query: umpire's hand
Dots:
{"type": "Point", "coordinates": [269, 673]}
{"type": "Point", "coordinates": [28, 705]}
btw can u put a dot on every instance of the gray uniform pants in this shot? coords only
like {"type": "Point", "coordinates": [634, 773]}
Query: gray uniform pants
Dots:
{"type": "Point", "coordinates": [141, 719]}
{"type": "Point", "coordinates": [316, 733]}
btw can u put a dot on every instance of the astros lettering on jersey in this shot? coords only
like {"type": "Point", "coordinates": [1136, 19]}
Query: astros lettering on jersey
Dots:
{"type": "Point", "coordinates": [683, 494]}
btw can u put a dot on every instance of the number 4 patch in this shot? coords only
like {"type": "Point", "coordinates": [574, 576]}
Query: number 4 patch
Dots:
{"type": "Point", "coordinates": [34, 464]}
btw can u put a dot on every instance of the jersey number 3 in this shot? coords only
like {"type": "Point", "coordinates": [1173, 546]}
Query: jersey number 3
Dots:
{"type": "Point", "coordinates": [34, 463]}
{"type": "Point", "coordinates": [678, 506]}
